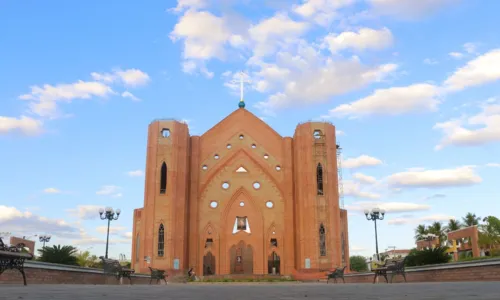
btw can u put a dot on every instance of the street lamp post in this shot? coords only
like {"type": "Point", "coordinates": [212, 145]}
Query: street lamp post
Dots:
{"type": "Point", "coordinates": [108, 214]}
{"type": "Point", "coordinates": [374, 215]}
{"type": "Point", "coordinates": [44, 239]}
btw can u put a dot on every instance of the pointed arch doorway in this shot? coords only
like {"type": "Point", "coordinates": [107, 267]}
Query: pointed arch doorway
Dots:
{"type": "Point", "coordinates": [273, 264]}
{"type": "Point", "coordinates": [241, 258]}
{"type": "Point", "coordinates": [208, 264]}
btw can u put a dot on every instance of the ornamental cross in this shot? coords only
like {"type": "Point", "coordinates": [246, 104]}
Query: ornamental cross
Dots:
{"type": "Point", "coordinates": [242, 81]}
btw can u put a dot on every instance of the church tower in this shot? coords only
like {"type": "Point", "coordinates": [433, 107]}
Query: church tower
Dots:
{"type": "Point", "coordinates": [317, 213]}
{"type": "Point", "coordinates": [163, 231]}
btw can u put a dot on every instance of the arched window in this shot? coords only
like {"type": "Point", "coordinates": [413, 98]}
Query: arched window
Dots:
{"type": "Point", "coordinates": [319, 178]}
{"type": "Point", "coordinates": [322, 241]}
{"type": "Point", "coordinates": [137, 247]}
{"type": "Point", "coordinates": [161, 241]}
{"type": "Point", "coordinates": [163, 179]}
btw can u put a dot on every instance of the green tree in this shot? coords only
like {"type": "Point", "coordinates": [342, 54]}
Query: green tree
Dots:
{"type": "Point", "coordinates": [453, 225]}
{"type": "Point", "coordinates": [420, 231]}
{"type": "Point", "coordinates": [437, 229]}
{"type": "Point", "coordinates": [489, 233]}
{"type": "Point", "coordinates": [85, 259]}
{"type": "Point", "coordinates": [358, 263]}
{"type": "Point", "coordinates": [471, 219]}
{"type": "Point", "coordinates": [65, 255]}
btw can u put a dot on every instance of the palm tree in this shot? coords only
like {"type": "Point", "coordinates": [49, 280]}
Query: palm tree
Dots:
{"type": "Point", "coordinates": [453, 225]}
{"type": "Point", "coordinates": [437, 229]}
{"type": "Point", "coordinates": [58, 255]}
{"type": "Point", "coordinates": [470, 219]}
{"type": "Point", "coordinates": [84, 259]}
{"type": "Point", "coordinates": [489, 234]}
{"type": "Point", "coordinates": [420, 231]}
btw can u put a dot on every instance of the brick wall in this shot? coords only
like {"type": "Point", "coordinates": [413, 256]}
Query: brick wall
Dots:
{"type": "Point", "coordinates": [463, 271]}
{"type": "Point", "coordinates": [45, 273]}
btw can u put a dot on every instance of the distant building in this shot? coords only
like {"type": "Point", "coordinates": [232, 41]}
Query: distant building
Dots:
{"type": "Point", "coordinates": [27, 243]}
{"type": "Point", "coordinates": [396, 253]}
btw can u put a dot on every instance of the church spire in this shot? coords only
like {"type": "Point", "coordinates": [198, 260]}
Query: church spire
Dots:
{"type": "Point", "coordinates": [242, 88]}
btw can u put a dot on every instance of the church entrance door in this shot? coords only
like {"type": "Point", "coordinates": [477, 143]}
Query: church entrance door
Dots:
{"type": "Point", "coordinates": [273, 264]}
{"type": "Point", "coordinates": [208, 264]}
{"type": "Point", "coordinates": [241, 258]}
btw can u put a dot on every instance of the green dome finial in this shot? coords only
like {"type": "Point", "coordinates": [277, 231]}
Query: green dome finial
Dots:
{"type": "Point", "coordinates": [241, 104]}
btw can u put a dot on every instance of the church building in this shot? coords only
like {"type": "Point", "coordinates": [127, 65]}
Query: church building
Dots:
{"type": "Point", "coordinates": [240, 199]}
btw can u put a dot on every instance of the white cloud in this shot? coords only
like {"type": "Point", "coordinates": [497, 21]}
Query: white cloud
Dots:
{"type": "Point", "coordinates": [430, 61]}
{"type": "Point", "coordinates": [183, 5]}
{"type": "Point", "coordinates": [44, 99]}
{"type": "Point", "coordinates": [389, 207]}
{"type": "Point", "coordinates": [476, 130]}
{"type": "Point", "coordinates": [129, 77]}
{"type": "Point", "coordinates": [112, 229]}
{"type": "Point", "coordinates": [461, 176]}
{"type": "Point", "coordinates": [361, 161]}
{"type": "Point", "coordinates": [24, 125]}
{"type": "Point", "coordinates": [456, 55]}
{"type": "Point", "coordinates": [321, 12]}
{"type": "Point", "coordinates": [51, 191]}
{"type": "Point", "coordinates": [425, 219]}
{"type": "Point", "coordinates": [109, 190]}
{"type": "Point", "coordinates": [493, 165]}
{"type": "Point", "coordinates": [392, 101]}
{"type": "Point", "coordinates": [408, 9]}
{"type": "Point", "coordinates": [24, 222]}
{"type": "Point", "coordinates": [354, 189]}
{"type": "Point", "coordinates": [364, 178]}
{"type": "Point", "coordinates": [131, 96]}
{"type": "Point", "coordinates": [85, 212]}
{"type": "Point", "coordinates": [135, 173]}
{"type": "Point", "coordinates": [470, 48]}
{"type": "Point", "coordinates": [364, 39]}
{"type": "Point", "coordinates": [481, 70]}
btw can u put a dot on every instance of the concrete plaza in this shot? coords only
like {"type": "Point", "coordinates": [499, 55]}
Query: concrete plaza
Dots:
{"type": "Point", "coordinates": [235, 291]}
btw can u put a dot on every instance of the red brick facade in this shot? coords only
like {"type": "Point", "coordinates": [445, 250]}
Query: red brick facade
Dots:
{"type": "Point", "coordinates": [240, 151]}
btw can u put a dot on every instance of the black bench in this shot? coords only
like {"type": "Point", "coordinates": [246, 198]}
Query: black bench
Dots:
{"type": "Point", "coordinates": [113, 267]}
{"type": "Point", "coordinates": [13, 258]}
{"type": "Point", "coordinates": [337, 273]}
{"type": "Point", "coordinates": [395, 267]}
{"type": "Point", "coordinates": [158, 275]}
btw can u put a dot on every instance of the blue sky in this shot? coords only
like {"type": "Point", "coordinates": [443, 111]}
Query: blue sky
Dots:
{"type": "Point", "coordinates": [413, 89]}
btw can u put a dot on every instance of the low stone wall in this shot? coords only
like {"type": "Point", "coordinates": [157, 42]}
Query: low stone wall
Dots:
{"type": "Point", "coordinates": [482, 270]}
{"type": "Point", "coordinates": [47, 273]}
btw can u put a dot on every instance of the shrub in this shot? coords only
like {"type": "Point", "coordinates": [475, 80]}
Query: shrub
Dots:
{"type": "Point", "coordinates": [358, 263]}
{"type": "Point", "coordinates": [437, 255]}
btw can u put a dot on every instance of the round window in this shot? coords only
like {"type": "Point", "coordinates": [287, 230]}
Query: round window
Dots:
{"type": "Point", "coordinates": [242, 136]}
{"type": "Point", "coordinates": [254, 146]}
{"type": "Point", "coordinates": [204, 167]}
{"type": "Point", "coordinates": [256, 185]}
{"type": "Point", "coordinates": [216, 156]}
{"type": "Point", "coordinates": [228, 146]}
{"type": "Point", "coordinates": [225, 185]}
{"type": "Point", "coordinates": [266, 156]}
{"type": "Point", "coordinates": [242, 203]}
{"type": "Point", "coordinates": [278, 168]}
{"type": "Point", "coordinates": [269, 204]}
{"type": "Point", "coordinates": [214, 204]}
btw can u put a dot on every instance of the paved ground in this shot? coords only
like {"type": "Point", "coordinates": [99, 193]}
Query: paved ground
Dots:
{"type": "Point", "coordinates": [313, 291]}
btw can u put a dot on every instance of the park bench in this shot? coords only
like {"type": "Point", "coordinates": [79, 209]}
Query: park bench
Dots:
{"type": "Point", "coordinates": [337, 273]}
{"type": "Point", "coordinates": [158, 275]}
{"type": "Point", "coordinates": [12, 257]}
{"type": "Point", "coordinates": [113, 267]}
{"type": "Point", "coordinates": [395, 267]}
